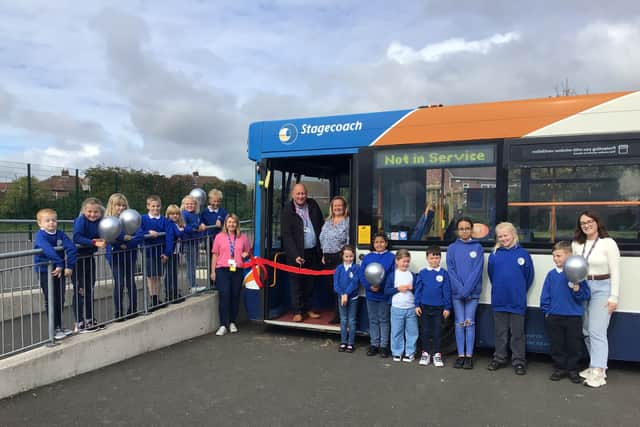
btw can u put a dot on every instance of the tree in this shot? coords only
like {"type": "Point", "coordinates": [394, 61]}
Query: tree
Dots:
{"type": "Point", "coordinates": [19, 202]}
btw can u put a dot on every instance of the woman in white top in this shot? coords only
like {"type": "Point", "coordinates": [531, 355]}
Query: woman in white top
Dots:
{"type": "Point", "coordinates": [592, 241]}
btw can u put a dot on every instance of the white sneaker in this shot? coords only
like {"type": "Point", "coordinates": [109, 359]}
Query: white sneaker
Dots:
{"type": "Point", "coordinates": [397, 358]}
{"type": "Point", "coordinates": [425, 359]}
{"type": "Point", "coordinates": [201, 288]}
{"type": "Point", "coordinates": [437, 360]}
{"type": "Point", "coordinates": [410, 358]}
{"type": "Point", "coordinates": [67, 332]}
{"type": "Point", "coordinates": [590, 372]}
{"type": "Point", "coordinates": [233, 328]}
{"type": "Point", "coordinates": [59, 335]}
{"type": "Point", "coordinates": [193, 290]}
{"type": "Point", "coordinates": [222, 330]}
{"type": "Point", "coordinates": [596, 379]}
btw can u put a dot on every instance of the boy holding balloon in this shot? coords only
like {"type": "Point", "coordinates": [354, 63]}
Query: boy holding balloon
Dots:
{"type": "Point", "coordinates": [562, 303]}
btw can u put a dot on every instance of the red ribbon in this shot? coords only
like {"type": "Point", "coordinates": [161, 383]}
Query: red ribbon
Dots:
{"type": "Point", "coordinates": [258, 264]}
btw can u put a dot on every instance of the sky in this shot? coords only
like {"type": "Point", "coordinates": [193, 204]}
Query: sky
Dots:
{"type": "Point", "coordinates": [172, 86]}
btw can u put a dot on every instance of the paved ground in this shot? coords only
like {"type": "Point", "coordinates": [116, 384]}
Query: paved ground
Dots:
{"type": "Point", "coordinates": [269, 377]}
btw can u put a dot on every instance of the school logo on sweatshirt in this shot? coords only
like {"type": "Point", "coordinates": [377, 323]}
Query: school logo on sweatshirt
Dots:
{"type": "Point", "coordinates": [473, 254]}
{"type": "Point", "coordinates": [520, 261]}
{"type": "Point", "coordinates": [439, 278]}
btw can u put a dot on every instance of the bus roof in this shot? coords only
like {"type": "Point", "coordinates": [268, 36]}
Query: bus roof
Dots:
{"type": "Point", "coordinates": [571, 115]}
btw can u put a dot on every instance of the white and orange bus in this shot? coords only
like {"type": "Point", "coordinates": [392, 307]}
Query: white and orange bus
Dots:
{"type": "Point", "coordinates": [536, 163]}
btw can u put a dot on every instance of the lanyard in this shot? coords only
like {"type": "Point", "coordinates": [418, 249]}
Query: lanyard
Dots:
{"type": "Point", "coordinates": [304, 214]}
{"type": "Point", "coordinates": [232, 245]}
{"type": "Point", "coordinates": [584, 248]}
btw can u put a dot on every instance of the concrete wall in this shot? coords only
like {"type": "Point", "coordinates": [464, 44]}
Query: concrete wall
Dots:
{"type": "Point", "coordinates": [119, 341]}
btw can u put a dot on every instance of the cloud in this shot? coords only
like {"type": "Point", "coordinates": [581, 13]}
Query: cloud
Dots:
{"type": "Point", "coordinates": [435, 52]}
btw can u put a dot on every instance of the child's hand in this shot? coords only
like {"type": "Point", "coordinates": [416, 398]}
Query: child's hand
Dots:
{"type": "Point", "coordinates": [374, 288]}
{"type": "Point", "coordinates": [153, 233]}
{"type": "Point", "coordinates": [418, 311]}
{"type": "Point", "coordinates": [218, 223]}
{"type": "Point", "coordinates": [446, 313]}
{"type": "Point", "coordinates": [99, 243]}
{"type": "Point", "coordinates": [576, 287]}
{"type": "Point", "coordinates": [343, 299]}
{"type": "Point", "coordinates": [164, 258]}
{"type": "Point", "coordinates": [57, 272]}
{"type": "Point", "coordinates": [127, 237]}
{"type": "Point", "coordinates": [202, 227]}
{"type": "Point", "coordinates": [67, 272]}
{"type": "Point", "coordinates": [404, 288]}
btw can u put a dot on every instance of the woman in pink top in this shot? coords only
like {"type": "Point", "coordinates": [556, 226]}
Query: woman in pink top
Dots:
{"type": "Point", "coordinates": [229, 249]}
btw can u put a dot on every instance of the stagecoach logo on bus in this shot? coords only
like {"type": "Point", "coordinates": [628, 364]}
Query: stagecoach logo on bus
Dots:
{"type": "Point", "coordinates": [289, 132]}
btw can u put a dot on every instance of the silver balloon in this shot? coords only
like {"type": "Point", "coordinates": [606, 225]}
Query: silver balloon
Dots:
{"type": "Point", "coordinates": [109, 228]}
{"type": "Point", "coordinates": [130, 221]}
{"type": "Point", "coordinates": [575, 267]}
{"type": "Point", "coordinates": [374, 273]}
{"type": "Point", "coordinates": [200, 195]}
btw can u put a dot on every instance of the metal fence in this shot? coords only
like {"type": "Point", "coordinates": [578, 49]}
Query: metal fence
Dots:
{"type": "Point", "coordinates": [37, 308]}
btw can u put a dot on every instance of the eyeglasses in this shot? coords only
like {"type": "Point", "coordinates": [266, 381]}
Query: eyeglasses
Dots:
{"type": "Point", "coordinates": [589, 222]}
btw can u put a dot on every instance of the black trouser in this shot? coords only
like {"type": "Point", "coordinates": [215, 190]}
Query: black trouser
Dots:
{"type": "Point", "coordinates": [58, 296]}
{"type": "Point", "coordinates": [84, 279]}
{"type": "Point", "coordinates": [565, 334]}
{"type": "Point", "coordinates": [331, 262]}
{"type": "Point", "coordinates": [509, 333]}
{"type": "Point", "coordinates": [171, 278]}
{"type": "Point", "coordinates": [430, 324]}
{"type": "Point", "coordinates": [302, 284]}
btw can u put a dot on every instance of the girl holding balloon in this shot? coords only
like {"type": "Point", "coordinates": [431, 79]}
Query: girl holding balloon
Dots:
{"type": "Point", "coordinates": [122, 254]}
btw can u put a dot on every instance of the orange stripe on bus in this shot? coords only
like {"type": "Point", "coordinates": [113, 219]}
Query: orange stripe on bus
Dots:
{"type": "Point", "coordinates": [508, 119]}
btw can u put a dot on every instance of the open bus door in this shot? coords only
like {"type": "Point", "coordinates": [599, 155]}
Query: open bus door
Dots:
{"type": "Point", "coordinates": [325, 177]}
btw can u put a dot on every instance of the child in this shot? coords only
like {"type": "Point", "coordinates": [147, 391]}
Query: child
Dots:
{"type": "Point", "coordinates": [345, 284]}
{"type": "Point", "coordinates": [214, 215]}
{"type": "Point", "coordinates": [404, 323]}
{"type": "Point", "coordinates": [563, 305]}
{"type": "Point", "coordinates": [191, 239]}
{"type": "Point", "coordinates": [122, 255]}
{"type": "Point", "coordinates": [510, 270]}
{"type": "Point", "coordinates": [47, 238]}
{"type": "Point", "coordinates": [464, 264]}
{"type": "Point", "coordinates": [377, 301]}
{"type": "Point", "coordinates": [157, 248]}
{"type": "Point", "coordinates": [433, 303]}
{"type": "Point", "coordinates": [85, 234]}
{"type": "Point", "coordinates": [174, 214]}
{"type": "Point", "coordinates": [229, 249]}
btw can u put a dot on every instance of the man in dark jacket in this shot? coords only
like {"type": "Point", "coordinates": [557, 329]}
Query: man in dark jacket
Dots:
{"type": "Point", "coordinates": [301, 224]}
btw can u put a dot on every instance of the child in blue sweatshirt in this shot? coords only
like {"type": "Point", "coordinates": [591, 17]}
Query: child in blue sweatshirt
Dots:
{"type": "Point", "coordinates": [404, 323]}
{"type": "Point", "coordinates": [47, 238]}
{"type": "Point", "coordinates": [510, 270]}
{"type": "Point", "coordinates": [158, 247]}
{"type": "Point", "coordinates": [122, 254]}
{"type": "Point", "coordinates": [213, 218]}
{"type": "Point", "coordinates": [345, 285]}
{"type": "Point", "coordinates": [191, 238]}
{"type": "Point", "coordinates": [465, 259]}
{"type": "Point", "coordinates": [563, 305]}
{"type": "Point", "coordinates": [85, 234]}
{"type": "Point", "coordinates": [377, 301]}
{"type": "Point", "coordinates": [174, 214]}
{"type": "Point", "coordinates": [433, 303]}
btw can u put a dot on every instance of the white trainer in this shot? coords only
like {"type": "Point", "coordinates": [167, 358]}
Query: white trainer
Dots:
{"type": "Point", "coordinates": [233, 328]}
{"type": "Point", "coordinates": [586, 374]}
{"type": "Point", "coordinates": [425, 359]}
{"type": "Point", "coordinates": [222, 330]}
{"type": "Point", "coordinates": [437, 360]}
{"type": "Point", "coordinates": [596, 379]}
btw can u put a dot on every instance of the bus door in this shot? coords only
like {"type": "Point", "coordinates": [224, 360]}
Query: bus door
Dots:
{"type": "Point", "coordinates": [324, 177]}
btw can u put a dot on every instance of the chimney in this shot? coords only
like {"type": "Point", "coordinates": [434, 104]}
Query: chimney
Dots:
{"type": "Point", "coordinates": [65, 172]}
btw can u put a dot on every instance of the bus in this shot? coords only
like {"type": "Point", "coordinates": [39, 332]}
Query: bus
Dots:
{"type": "Point", "coordinates": [536, 163]}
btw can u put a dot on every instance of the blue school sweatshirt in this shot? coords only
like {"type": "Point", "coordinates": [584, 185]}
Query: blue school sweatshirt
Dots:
{"type": "Point", "coordinates": [511, 274]}
{"type": "Point", "coordinates": [120, 245]}
{"type": "Point", "coordinates": [191, 223]}
{"type": "Point", "coordinates": [390, 287]}
{"type": "Point", "coordinates": [346, 281]}
{"type": "Point", "coordinates": [161, 225]}
{"type": "Point", "coordinates": [47, 242]}
{"type": "Point", "coordinates": [388, 260]}
{"type": "Point", "coordinates": [559, 299]}
{"type": "Point", "coordinates": [464, 265]}
{"type": "Point", "coordinates": [433, 288]}
{"type": "Point", "coordinates": [209, 217]}
{"type": "Point", "coordinates": [84, 231]}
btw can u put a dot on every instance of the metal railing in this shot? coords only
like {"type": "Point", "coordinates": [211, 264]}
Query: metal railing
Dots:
{"type": "Point", "coordinates": [101, 290]}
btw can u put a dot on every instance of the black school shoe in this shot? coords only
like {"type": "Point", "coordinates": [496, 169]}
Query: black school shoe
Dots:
{"type": "Point", "coordinates": [459, 362]}
{"type": "Point", "coordinates": [468, 362]}
{"type": "Point", "coordinates": [574, 377]}
{"type": "Point", "coordinates": [342, 347]}
{"type": "Point", "coordinates": [372, 350]}
{"type": "Point", "coordinates": [385, 352]}
{"type": "Point", "coordinates": [557, 375]}
{"type": "Point", "coordinates": [494, 365]}
{"type": "Point", "coordinates": [520, 369]}
{"type": "Point", "coordinates": [350, 348]}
